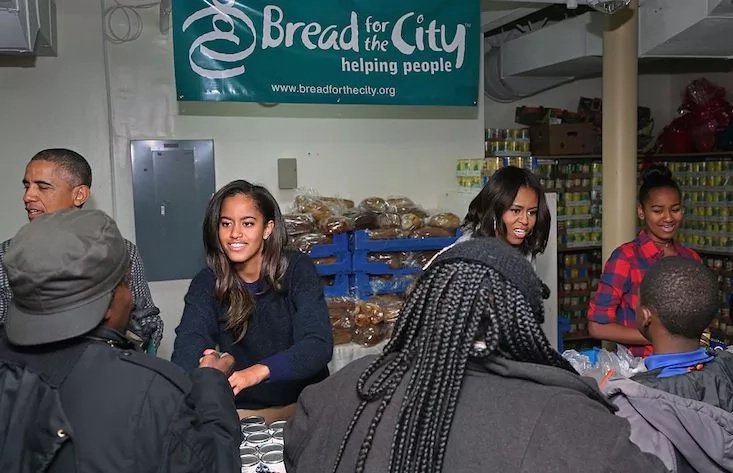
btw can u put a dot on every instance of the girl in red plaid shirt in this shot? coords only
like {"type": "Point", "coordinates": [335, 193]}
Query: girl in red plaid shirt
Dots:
{"type": "Point", "coordinates": [612, 311]}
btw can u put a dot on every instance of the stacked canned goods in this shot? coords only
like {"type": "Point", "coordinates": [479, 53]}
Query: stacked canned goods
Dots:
{"type": "Point", "coordinates": [722, 326]}
{"type": "Point", "coordinates": [469, 173]}
{"type": "Point", "coordinates": [708, 200]}
{"type": "Point", "coordinates": [502, 147]}
{"type": "Point", "coordinates": [474, 173]}
{"type": "Point", "coordinates": [506, 141]}
{"type": "Point", "coordinates": [707, 196]}
{"type": "Point", "coordinates": [262, 448]}
{"type": "Point", "coordinates": [578, 188]}
{"type": "Point", "coordinates": [578, 275]}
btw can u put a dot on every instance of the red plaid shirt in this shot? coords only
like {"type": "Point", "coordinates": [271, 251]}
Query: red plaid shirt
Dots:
{"type": "Point", "coordinates": [618, 289]}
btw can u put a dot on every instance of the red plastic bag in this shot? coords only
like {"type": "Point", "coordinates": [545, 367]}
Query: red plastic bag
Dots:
{"type": "Point", "coordinates": [701, 92]}
{"type": "Point", "coordinates": [705, 112]}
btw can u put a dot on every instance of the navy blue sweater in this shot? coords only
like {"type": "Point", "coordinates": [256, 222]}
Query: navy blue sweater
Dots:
{"type": "Point", "coordinates": [290, 333]}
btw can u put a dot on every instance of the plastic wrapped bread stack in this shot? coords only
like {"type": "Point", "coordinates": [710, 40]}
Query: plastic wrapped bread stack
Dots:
{"type": "Point", "coordinates": [366, 323]}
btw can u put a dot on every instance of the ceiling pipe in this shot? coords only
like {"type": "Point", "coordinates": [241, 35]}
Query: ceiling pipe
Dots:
{"type": "Point", "coordinates": [165, 16]}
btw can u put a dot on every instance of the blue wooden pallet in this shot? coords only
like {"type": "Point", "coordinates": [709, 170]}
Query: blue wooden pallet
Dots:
{"type": "Point", "coordinates": [360, 264]}
{"type": "Point", "coordinates": [362, 287]}
{"type": "Point", "coordinates": [340, 249]}
{"type": "Point", "coordinates": [340, 288]}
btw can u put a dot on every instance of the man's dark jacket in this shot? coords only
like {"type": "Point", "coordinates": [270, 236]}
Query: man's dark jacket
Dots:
{"type": "Point", "coordinates": [94, 404]}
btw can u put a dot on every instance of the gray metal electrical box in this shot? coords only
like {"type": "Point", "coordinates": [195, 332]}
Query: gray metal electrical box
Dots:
{"type": "Point", "coordinates": [172, 182]}
{"type": "Point", "coordinates": [287, 173]}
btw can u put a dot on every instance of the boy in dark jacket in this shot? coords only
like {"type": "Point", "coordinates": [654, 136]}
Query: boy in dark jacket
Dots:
{"type": "Point", "coordinates": [680, 409]}
{"type": "Point", "coordinates": [75, 396]}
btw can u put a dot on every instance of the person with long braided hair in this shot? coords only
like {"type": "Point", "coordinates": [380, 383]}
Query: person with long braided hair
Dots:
{"type": "Point", "coordinates": [468, 383]}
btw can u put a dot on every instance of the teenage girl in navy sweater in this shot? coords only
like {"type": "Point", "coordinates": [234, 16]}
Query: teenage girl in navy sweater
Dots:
{"type": "Point", "coordinates": [257, 302]}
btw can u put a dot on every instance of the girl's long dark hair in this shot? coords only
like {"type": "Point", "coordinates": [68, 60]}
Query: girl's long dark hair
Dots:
{"type": "Point", "coordinates": [497, 196]}
{"type": "Point", "coordinates": [458, 310]}
{"type": "Point", "coordinates": [228, 289]}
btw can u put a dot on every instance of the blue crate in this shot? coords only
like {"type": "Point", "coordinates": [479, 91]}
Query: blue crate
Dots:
{"type": "Point", "coordinates": [360, 264]}
{"type": "Point", "coordinates": [340, 287]}
{"type": "Point", "coordinates": [342, 265]}
{"type": "Point", "coordinates": [361, 286]}
{"type": "Point", "coordinates": [340, 245]}
{"type": "Point", "coordinates": [360, 241]}
{"type": "Point", "coordinates": [340, 249]}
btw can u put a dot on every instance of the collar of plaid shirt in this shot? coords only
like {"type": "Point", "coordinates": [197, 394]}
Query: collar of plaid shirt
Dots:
{"type": "Point", "coordinates": [650, 250]}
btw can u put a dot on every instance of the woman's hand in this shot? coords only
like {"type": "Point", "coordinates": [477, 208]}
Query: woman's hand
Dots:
{"type": "Point", "coordinates": [247, 377]}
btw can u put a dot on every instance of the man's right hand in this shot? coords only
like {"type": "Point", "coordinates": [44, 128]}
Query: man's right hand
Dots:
{"type": "Point", "coordinates": [223, 362]}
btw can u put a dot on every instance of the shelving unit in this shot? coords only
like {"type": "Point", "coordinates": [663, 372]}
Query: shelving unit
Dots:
{"type": "Point", "coordinates": [577, 182]}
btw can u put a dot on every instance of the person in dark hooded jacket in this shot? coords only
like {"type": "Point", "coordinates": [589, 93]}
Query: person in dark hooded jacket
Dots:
{"type": "Point", "coordinates": [75, 395]}
{"type": "Point", "coordinates": [468, 383]}
{"type": "Point", "coordinates": [681, 409]}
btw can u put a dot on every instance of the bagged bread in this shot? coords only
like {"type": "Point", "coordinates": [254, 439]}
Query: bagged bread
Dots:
{"type": "Point", "coordinates": [386, 234]}
{"type": "Point", "coordinates": [336, 224]}
{"type": "Point", "coordinates": [431, 232]}
{"type": "Point", "coordinates": [373, 204]}
{"type": "Point", "coordinates": [363, 220]}
{"type": "Point", "coordinates": [391, 304]}
{"type": "Point", "coordinates": [304, 243]}
{"type": "Point", "coordinates": [397, 203]}
{"type": "Point", "coordinates": [389, 220]}
{"type": "Point", "coordinates": [369, 336]}
{"type": "Point", "coordinates": [410, 221]}
{"type": "Point", "coordinates": [342, 328]}
{"type": "Point", "coordinates": [314, 206]}
{"type": "Point", "coordinates": [337, 202]}
{"type": "Point", "coordinates": [291, 245]}
{"type": "Point", "coordinates": [341, 313]}
{"type": "Point", "coordinates": [299, 223]}
{"type": "Point", "coordinates": [368, 313]}
{"type": "Point", "coordinates": [445, 220]}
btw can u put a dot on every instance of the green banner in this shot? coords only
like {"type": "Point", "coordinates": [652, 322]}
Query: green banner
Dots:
{"type": "Point", "coordinates": [401, 52]}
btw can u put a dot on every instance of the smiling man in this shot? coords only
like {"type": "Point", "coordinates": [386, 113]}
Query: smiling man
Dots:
{"type": "Point", "coordinates": [57, 179]}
